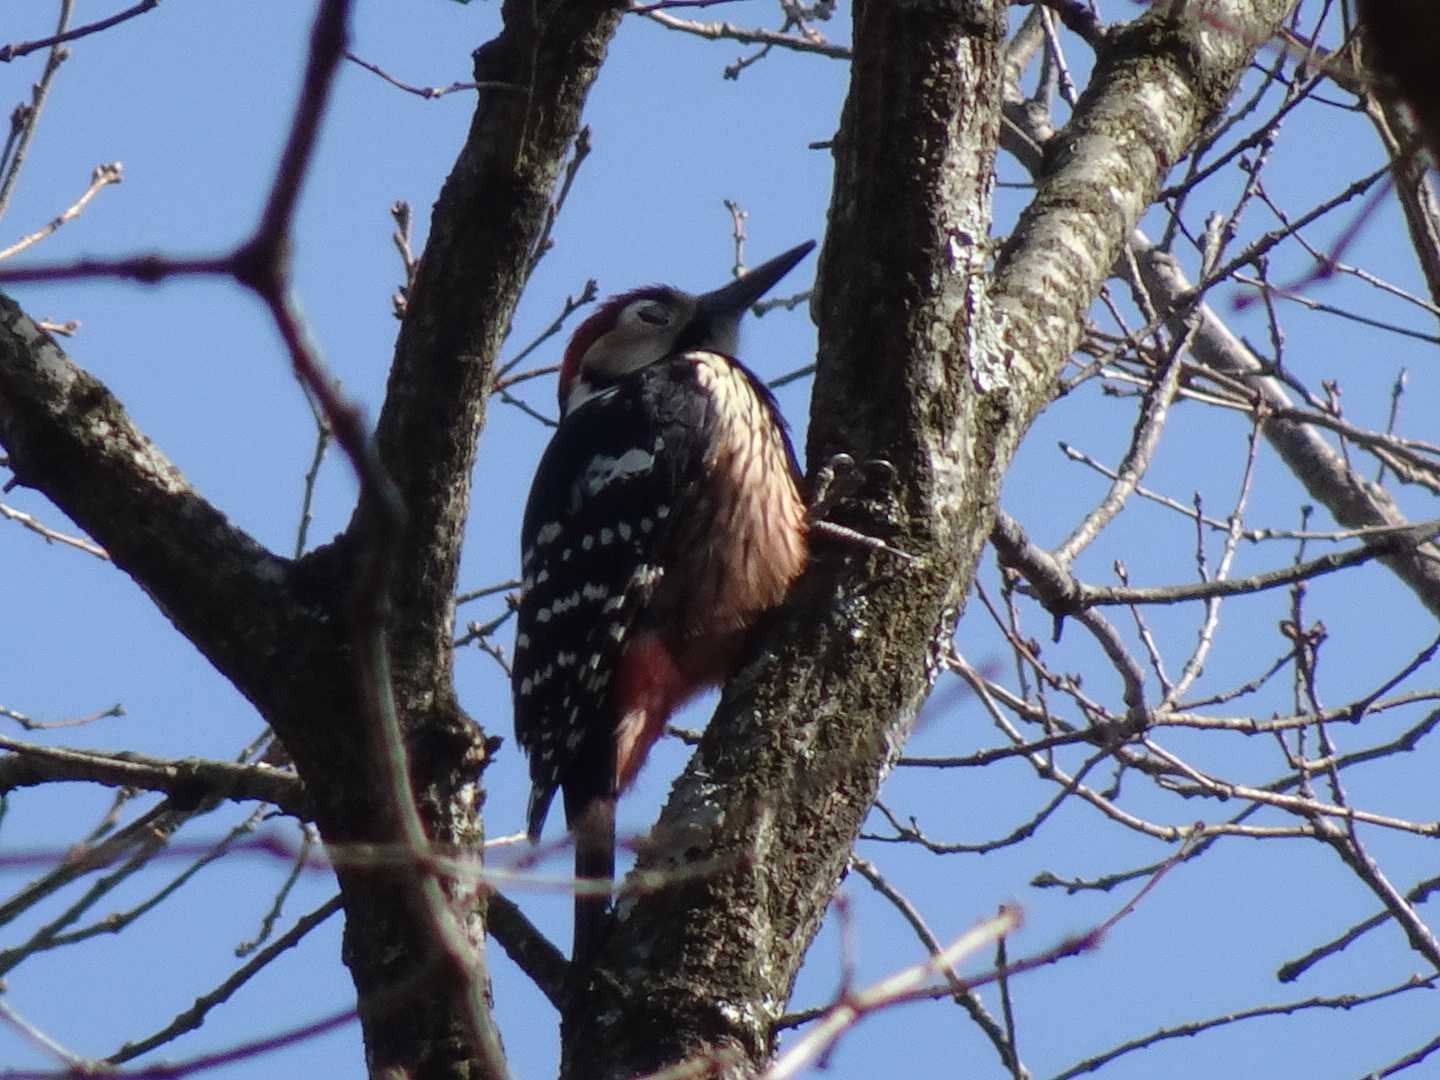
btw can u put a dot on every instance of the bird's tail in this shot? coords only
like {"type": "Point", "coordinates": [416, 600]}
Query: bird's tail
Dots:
{"type": "Point", "coordinates": [594, 833]}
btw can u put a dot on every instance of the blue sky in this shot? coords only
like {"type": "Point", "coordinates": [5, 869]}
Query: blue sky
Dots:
{"type": "Point", "coordinates": [194, 100]}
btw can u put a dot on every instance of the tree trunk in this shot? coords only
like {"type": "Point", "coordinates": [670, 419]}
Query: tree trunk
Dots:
{"type": "Point", "coordinates": [937, 367]}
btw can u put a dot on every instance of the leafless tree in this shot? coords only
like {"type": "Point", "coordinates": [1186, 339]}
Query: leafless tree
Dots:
{"type": "Point", "coordinates": [1145, 201]}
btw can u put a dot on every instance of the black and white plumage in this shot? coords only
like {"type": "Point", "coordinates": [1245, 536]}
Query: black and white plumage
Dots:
{"type": "Point", "coordinates": [663, 519]}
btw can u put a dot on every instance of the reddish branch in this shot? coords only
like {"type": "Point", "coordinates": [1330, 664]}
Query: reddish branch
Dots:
{"type": "Point", "coordinates": [24, 48]}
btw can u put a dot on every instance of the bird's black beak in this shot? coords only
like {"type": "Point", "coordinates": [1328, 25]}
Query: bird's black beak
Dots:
{"type": "Point", "coordinates": [731, 301]}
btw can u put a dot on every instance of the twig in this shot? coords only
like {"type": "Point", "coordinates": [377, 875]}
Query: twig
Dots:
{"type": "Point", "coordinates": [738, 217]}
{"type": "Point", "coordinates": [194, 1016]}
{"type": "Point", "coordinates": [307, 491]}
{"type": "Point", "coordinates": [571, 305]}
{"type": "Point", "coordinates": [1292, 970]}
{"type": "Point", "coordinates": [430, 93]}
{"type": "Point", "coordinates": [761, 308]}
{"type": "Point", "coordinates": [665, 5]}
{"type": "Point", "coordinates": [479, 632]}
{"type": "Point", "coordinates": [103, 176]}
{"type": "Point", "coordinates": [32, 1034]}
{"type": "Point", "coordinates": [902, 986]}
{"type": "Point", "coordinates": [1344, 842]}
{"type": "Point", "coordinates": [1406, 539]}
{"type": "Point", "coordinates": [964, 996]}
{"type": "Point", "coordinates": [552, 212]}
{"type": "Point", "coordinates": [1397, 391]}
{"type": "Point", "coordinates": [1311, 304]}
{"type": "Point", "coordinates": [11, 52]}
{"type": "Point", "coordinates": [1414, 1057]}
{"type": "Point", "coordinates": [191, 780]}
{"type": "Point", "coordinates": [1252, 254]}
{"type": "Point", "coordinates": [28, 119]}
{"type": "Point", "coordinates": [510, 399]}
{"type": "Point", "coordinates": [488, 590]}
{"type": "Point", "coordinates": [1148, 427]}
{"type": "Point", "coordinates": [1256, 535]}
{"type": "Point", "coordinates": [1343, 1001]}
{"type": "Point", "coordinates": [1079, 19]}
{"type": "Point", "coordinates": [524, 376]}
{"type": "Point", "coordinates": [31, 724]}
{"type": "Point", "coordinates": [53, 935]}
{"type": "Point", "coordinates": [138, 859]}
{"type": "Point", "coordinates": [1311, 809]}
{"type": "Point", "coordinates": [277, 906]}
{"type": "Point", "coordinates": [724, 31]}
{"type": "Point", "coordinates": [64, 867]}
{"type": "Point", "coordinates": [400, 212]}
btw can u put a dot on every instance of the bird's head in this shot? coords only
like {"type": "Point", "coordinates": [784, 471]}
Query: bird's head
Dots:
{"type": "Point", "coordinates": [638, 328]}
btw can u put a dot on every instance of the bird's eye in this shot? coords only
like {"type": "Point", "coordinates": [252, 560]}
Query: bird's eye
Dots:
{"type": "Point", "coordinates": [655, 314]}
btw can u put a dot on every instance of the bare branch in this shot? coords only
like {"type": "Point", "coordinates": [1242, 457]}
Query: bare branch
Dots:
{"type": "Point", "coordinates": [903, 986]}
{"type": "Point", "coordinates": [103, 176]}
{"type": "Point", "coordinates": [1352, 500]}
{"type": "Point", "coordinates": [531, 950]}
{"type": "Point", "coordinates": [192, 780]}
{"type": "Point", "coordinates": [194, 1016]}
{"type": "Point", "coordinates": [430, 93]}
{"type": "Point", "coordinates": [50, 535]}
{"type": "Point", "coordinates": [24, 48]}
{"type": "Point", "coordinates": [964, 996]}
{"type": "Point", "coordinates": [1409, 539]}
{"type": "Point", "coordinates": [1289, 1008]}
{"type": "Point", "coordinates": [724, 31]}
{"type": "Point", "coordinates": [24, 121]}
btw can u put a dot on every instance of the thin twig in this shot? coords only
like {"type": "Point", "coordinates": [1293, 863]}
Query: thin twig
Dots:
{"type": "Point", "coordinates": [1289, 1008]}
{"type": "Point", "coordinates": [724, 31]}
{"type": "Point", "coordinates": [24, 48]}
{"type": "Point", "coordinates": [903, 986]}
{"type": "Point", "coordinates": [50, 535]}
{"type": "Point", "coordinates": [430, 93]}
{"type": "Point", "coordinates": [29, 119]}
{"type": "Point", "coordinates": [1407, 539]}
{"type": "Point", "coordinates": [194, 1016]}
{"type": "Point", "coordinates": [192, 779]}
{"type": "Point", "coordinates": [964, 996]}
{"type": "Point", "coordinates": [103, 176]}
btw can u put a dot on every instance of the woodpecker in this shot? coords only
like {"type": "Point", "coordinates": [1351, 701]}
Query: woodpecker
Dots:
{"type": "Point", "coordinates": [664, 518]}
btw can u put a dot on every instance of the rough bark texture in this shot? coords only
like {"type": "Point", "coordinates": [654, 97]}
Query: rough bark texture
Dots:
{"type": "Point", "coordinates": [925, 362]}
{"type": "Point", "coordinates": [791, 765]}
{"type": "Point", "coordinates": [282, 631]}
{"type": "Point", "coordinates": [1156, 82]}
{"type": "Point", "coordinates": [925, 367]}
{"type": "Point", "coordinates": [485, 226]}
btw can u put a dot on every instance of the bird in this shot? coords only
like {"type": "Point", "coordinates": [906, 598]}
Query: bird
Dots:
{"type": "Point", "coordinates": [665, 517]}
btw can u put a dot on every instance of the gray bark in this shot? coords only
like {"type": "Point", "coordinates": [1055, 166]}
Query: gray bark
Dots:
{"type": "Point", "coordinates": [281, 630]}
{"type": "Point", "coordinates": [927, 363]}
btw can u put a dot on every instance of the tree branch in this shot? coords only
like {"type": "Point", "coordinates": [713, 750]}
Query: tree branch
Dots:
{"type": "Point", "coordinates": [529, 948]}
{"type": "Point", "coordinates": [70, 438]}
{"type": "Point", "coordinates": [486, 224]}
{"type": "Point", "coordinates": [189, 782]}
{"type": "Point", "coordinates": [24, 48]}
{"type": "Point", "coordinates": [724, 31]}
{"type": "Point", "coordinates": [702, 967]}
{"type": "Point", "coordinates": [1351, 499]}
{"type": "Point", "coordinates": [1158, 80]}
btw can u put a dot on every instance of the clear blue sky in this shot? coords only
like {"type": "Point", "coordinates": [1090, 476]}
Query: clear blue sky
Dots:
{"type": "Point", "coordinates": [194, 99]}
